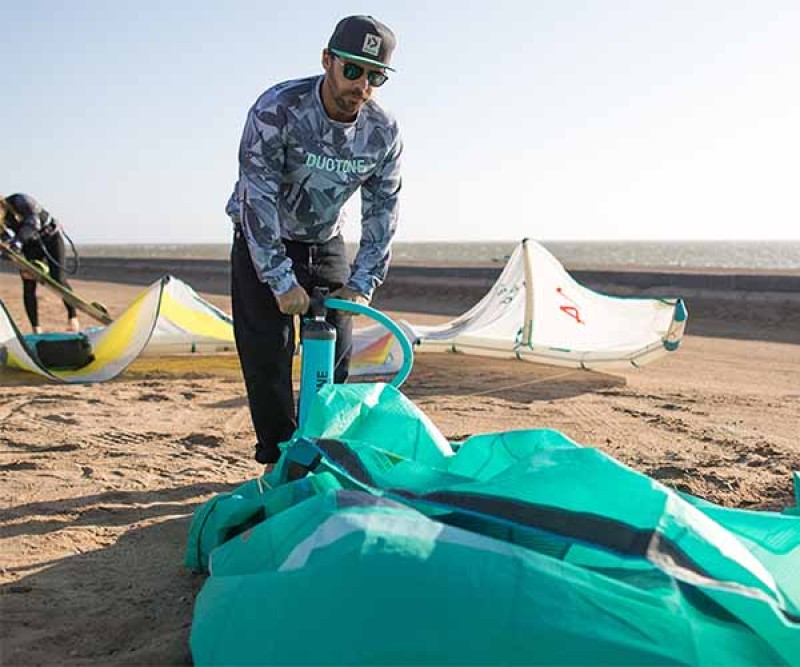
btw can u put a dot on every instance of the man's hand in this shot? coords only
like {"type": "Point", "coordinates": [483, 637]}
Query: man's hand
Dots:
{"type": "Point", "coordinates": [347, 294]}
{"type": "Point", "coordinates": [293, 302]}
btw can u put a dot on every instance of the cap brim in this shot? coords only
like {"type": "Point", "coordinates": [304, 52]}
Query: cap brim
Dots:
{"type": "Point", "coordinates": [361, 59]}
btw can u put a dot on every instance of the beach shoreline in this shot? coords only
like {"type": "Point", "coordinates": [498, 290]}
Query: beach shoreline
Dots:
{"type": "Point", "coordinates": [98, 482]}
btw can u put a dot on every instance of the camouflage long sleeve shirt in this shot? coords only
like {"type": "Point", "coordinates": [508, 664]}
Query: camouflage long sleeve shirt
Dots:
{"type": "Point", "coordinates": [297, 168]}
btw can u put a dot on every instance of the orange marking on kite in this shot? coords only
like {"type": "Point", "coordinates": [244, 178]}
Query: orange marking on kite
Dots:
{"type": "Point", "coordinates": [572, 311]}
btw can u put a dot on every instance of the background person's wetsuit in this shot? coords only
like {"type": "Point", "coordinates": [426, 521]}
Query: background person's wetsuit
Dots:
{"type": "Point", "coordinates": [42, 240]}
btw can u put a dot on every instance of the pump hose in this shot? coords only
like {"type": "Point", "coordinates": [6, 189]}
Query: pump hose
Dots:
{"type": "Point", "coordinates": [399, 334]}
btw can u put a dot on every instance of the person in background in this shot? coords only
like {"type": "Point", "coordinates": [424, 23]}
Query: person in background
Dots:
{"type": "Point", "coordinates": [37, 235]}
{"type": "Point", "coordinates": [307, 146]}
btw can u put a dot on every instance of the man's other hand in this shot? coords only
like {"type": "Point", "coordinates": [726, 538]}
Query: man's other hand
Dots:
{"type": "Point", "coordinates": [293, 302]}
{"type": "Point", "coordinates": [347, 294]}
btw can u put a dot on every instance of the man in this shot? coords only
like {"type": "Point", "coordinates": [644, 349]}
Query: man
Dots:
{"type": "Point", "coordinates": [307, 146]}
{"type": "Point", "coordinates": [38, 237]}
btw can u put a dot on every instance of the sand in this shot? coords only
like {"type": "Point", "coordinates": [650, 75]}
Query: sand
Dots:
{"type": "Point", "coordinates": [98, 483]}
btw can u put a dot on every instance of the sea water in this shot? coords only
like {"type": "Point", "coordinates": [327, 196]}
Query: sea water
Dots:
{"type": "Point", "coordinates": [764, 255]}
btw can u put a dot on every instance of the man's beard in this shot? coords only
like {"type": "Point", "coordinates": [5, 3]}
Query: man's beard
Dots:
{"type": "Point", "coordinates": [349, 101]}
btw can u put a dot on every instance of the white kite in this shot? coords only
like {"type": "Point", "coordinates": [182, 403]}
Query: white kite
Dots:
{"type": "Point", "coordinates": [537, 312]}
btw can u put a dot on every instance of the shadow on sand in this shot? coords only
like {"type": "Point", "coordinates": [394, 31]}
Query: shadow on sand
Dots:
{"type": "Point", "coordinates": [129, 602]}
{"type": "Point", "coordinates": [505, 379]}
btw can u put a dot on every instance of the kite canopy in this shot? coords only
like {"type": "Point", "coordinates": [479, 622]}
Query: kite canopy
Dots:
{"type": "Point", "coordinates": [166, 318]}
{"type": "Point", "coordinates": [537, 312]}
{"type": "Point", "coordinates": [376, 541]}
{"type": "Point", "coordinates": [169, 318]}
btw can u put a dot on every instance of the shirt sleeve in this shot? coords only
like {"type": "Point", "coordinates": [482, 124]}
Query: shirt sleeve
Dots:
{"type": "Point", "coordinates": [380, 211]}
{"type": "Point", "coordinates": [261, 159]}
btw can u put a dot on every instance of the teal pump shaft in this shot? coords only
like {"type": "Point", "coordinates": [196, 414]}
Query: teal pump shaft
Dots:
{"type": "Point", "coordinates": [319, 345]}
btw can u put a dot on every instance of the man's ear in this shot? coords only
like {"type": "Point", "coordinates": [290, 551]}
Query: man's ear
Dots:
{"type": "Point", "coordinates": [327, 59]}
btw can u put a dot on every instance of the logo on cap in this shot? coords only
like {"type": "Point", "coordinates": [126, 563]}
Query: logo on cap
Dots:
{"type": "Point", "coordinates": [372, 44]}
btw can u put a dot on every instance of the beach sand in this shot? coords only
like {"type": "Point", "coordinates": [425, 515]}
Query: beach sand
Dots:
{"type": "Point", "coordinates": [99, 482]}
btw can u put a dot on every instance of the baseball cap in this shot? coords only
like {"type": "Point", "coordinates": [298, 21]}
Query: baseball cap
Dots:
{"type": "Point", "coordinates": [364, 39]}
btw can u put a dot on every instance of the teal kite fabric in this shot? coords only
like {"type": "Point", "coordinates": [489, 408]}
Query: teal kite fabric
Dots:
{"type": "Point", "coordinates": [376, 541]}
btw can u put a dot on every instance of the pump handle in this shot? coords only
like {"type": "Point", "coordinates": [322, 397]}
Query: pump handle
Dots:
{"type": "Point", "coordinates": [378, 316]}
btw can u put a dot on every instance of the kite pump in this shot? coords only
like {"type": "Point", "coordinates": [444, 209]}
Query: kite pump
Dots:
{"type": "Point", "coordinates": [318, 340]}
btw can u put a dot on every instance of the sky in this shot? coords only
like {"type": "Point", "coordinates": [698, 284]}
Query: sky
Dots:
{"type": "Point", "coordinates": [554, 120]}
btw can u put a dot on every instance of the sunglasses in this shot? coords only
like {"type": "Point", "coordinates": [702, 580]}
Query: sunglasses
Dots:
{"type": "Point", "coordinates": [353, 72]}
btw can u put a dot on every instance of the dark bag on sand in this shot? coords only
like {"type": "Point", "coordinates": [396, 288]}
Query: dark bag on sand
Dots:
{"type": "Point", "coordinates": [61, 351]}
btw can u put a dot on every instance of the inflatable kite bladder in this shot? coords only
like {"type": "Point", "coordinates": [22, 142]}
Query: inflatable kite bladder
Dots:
{"type": "Point", "coordinates": [392, 545]}
{"type": "Point", "coordinates": [537, 312]}
{"type": "Point", "coordinates": [166, 318]}
{"type": "Point", "coordinates": [170, 318]}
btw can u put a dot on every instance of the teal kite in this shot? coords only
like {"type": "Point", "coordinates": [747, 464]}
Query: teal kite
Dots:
{"type": "Point", "coordinates": [376, 541]}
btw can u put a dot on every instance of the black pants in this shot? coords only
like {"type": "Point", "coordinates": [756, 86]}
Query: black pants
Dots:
{"type": "Point", "coordinates": [265, 336]}
{"type": "Point", "coordinates": [33, 251]}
